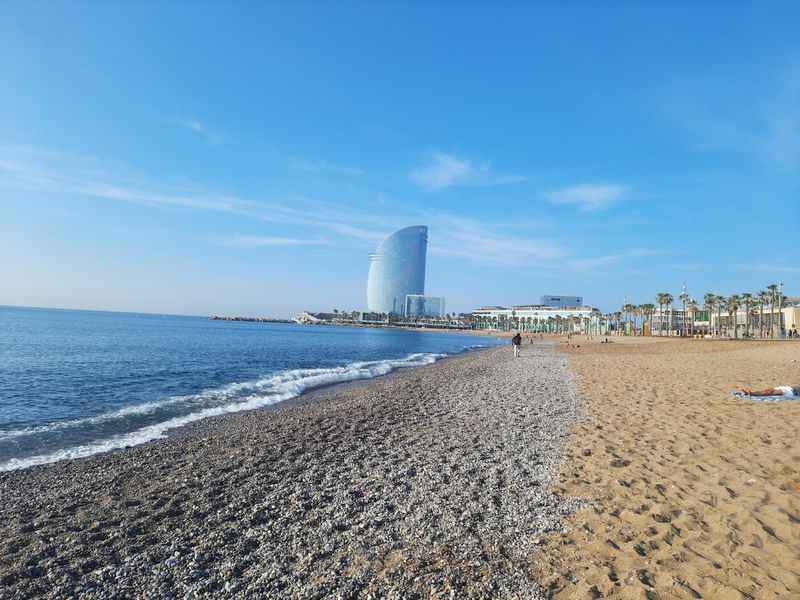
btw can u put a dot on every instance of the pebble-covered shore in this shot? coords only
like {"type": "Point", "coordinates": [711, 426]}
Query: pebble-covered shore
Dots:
{"type": "Point", "coordinates": [431, 482]}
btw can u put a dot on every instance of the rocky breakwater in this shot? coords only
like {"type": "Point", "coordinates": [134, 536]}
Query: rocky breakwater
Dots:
{"type": "Point", "coordinates": [431, 482]}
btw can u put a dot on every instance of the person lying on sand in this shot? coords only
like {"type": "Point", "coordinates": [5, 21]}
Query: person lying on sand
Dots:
{"type": "Point", "coordinates": [790, 391]}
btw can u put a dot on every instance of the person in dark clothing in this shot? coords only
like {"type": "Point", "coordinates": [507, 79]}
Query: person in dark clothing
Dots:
{"type": "Point", "coordinates": [516, 341]}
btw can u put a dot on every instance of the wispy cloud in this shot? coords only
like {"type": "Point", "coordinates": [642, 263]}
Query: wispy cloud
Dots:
{"type": "Point", "coordinates": [588, 196]}
{"type": "Point", "coordinates": [445, 170]}
{"type": "Point", "coordinates": [782, 141]}
{"type": "Point", "coordinates": [769, 268]}
{"type": "Point", "coordinates": [598, 262]}
{"type": "Point", "coordinates": [31, 169]}
{"type": "Point", "coordinates": [44, 178]}
{"type": "Point", "coordinates": [257, 241]}
{"type": "Point", "coordinates": [479, 242]}
{"type": "Point", "coordinates": [210, 134]}
{"type": "Point", "coordinates": [329, 224]}
{"type": "Point", "coordinates": [360, 233]}
{"type": "Point", "coordinates": [325, 167]}
{"type": "Point", "coordinates": [758, 120]}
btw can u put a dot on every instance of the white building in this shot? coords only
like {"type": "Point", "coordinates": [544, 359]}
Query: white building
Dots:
{"type": "Point", "coordinates": [537, 318]}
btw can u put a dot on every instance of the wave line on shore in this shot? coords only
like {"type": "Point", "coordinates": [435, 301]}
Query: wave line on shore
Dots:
{"type": "Point", "coordinates": [259, 393]}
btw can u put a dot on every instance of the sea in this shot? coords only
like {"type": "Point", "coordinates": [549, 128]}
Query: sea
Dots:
{"type": "Point", "coordinates": [75, 383]}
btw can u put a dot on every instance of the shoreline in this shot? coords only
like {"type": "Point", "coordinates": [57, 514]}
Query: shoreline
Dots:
{"type": "Point", "coordinates": [432, 480]}
{"type": "Point", "coordinates": [104, 446]}
{"type": "Point", "coordinates": [324, 391]}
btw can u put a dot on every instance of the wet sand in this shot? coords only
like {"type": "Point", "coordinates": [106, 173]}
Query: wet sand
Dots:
{"type": "Point", "coordinates": [696, 494]}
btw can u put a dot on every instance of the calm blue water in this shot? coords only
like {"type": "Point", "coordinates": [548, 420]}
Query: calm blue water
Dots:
{"type": "Point", "coordinates": [75, 383]}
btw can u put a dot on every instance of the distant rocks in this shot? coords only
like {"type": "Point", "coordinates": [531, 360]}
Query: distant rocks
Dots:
{"type": "Point", "coordinates": [250, 319]}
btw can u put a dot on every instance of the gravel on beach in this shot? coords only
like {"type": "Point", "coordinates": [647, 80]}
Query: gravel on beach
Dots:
{"type": "Point", "coordinates": [428, 483]}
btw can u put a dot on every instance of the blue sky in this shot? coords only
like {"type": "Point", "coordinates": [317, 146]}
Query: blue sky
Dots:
{"type": "Point", "coordinates": [245, 158]}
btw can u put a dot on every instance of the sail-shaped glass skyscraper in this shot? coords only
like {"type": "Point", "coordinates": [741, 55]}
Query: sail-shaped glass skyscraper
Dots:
{"type": "Point", "coordinates": [397, 269]}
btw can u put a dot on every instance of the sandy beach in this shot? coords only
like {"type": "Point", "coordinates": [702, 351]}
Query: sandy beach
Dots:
{"type": "Point", "coordinates": [622, 470]}
{"type": "Point", "coordinates": [696, 494]}
{"type": "Point", "coordinates": [431, 482]}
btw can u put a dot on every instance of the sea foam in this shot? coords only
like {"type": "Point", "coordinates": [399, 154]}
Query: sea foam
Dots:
{"type": "Point", "coordinates": [231, 398]}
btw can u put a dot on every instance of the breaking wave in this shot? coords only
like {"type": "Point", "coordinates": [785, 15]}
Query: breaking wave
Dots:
{"type": "Point", "coordinates": [231, 398]}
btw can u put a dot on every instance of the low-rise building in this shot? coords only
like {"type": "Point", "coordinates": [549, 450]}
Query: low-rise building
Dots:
{"type": "Point", "coordinates": [538, 318]}
{"type": "Point", "coordinates": [561, 301]}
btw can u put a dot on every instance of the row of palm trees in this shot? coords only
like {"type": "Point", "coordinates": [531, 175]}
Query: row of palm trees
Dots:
{"type": "Point", "coordinates": [554, 324]}
{"type": "Point", "coordinates": [761, 311]}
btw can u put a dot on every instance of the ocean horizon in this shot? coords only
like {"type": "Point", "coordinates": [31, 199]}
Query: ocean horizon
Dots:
{"type": "Point", "coordinates": [80, 382]}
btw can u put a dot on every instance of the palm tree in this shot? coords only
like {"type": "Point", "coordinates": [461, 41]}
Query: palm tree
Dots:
{"type": "Point", "coordinates": [668, 301]}
{"type": "Point", "coordinates": [718, 302]}
{"type": "Point", "coordinates": [664, 299]}
{"type": "Point", "coordinates": [628, 310]}
{"type": "Point", "coordinates": [773, 294]}
{"type": "Point", "coordinates": [647, 313]}
{"type": "Point", "coordinates": [692, 304]}
{"type": "Point", "coordinates": [763, 298]}
{"type": "Point", "coordinates": [733, 306]}
{"type": "Point", "coordinates": [779, 303]}
{"type": "Point", "coordinates": [617, 317]}
{"type": "Point", "coordinates": [747, 300]}
{"type": "Point", "coordinates": [709, 301]}
{"type": "Point", "coordinates": [684, 298]}
{"type": "Point", "coordinates": [661, 300]}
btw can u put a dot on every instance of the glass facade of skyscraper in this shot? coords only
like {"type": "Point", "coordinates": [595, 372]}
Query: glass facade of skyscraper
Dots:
{"type": "Point", "coordinates": [397, 269]}
{"type": "Point", "coordinates": [423, 306]}
{"type": "Point", "coordinates": [562, 301]}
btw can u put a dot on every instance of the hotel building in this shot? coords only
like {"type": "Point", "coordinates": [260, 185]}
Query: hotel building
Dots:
{"type": "Point", "coordinates": [397, 270]}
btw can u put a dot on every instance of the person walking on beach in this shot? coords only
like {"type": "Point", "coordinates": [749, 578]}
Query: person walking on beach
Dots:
{"type": "Point", "coordinates": [516, 341]}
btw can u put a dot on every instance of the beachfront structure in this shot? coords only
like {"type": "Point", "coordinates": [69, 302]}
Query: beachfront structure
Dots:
{"type": "Point", "coordinates": [397, 270]}
{"type": "Point", "coordinates": [561, 301]}
{"type": "Point", "coordinates": [668, 321]}
{"type": "Point", "coordinates": [742, 323]}
{"type": "Point", "coordinates": [418, 305]}
{"type": "Point", "coordinates": [538, 318]}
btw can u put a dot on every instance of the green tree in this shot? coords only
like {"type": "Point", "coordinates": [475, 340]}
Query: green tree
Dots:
{"type": "Point", "coordinates": [647, 313]}
{"type": "Point", "coordinates": [773, 298]}
{"type": "Point", "coordinates": [668, 300]}
{"type": "Point", "coordinates": [732, 304]}
{"type": "Point", "coordinates": [719, 301]}
{"type": "Point", "coordinates": [709, 302]}
{"type": "Point", "coordinates": [763, 299]}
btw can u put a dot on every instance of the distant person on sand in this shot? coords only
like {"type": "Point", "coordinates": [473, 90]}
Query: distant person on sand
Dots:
{"type": "Point", "coordinates": [516, 341]}
{"type": "Point", "coordinates": [789, 391]}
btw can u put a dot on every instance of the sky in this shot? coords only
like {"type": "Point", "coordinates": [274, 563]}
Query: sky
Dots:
{"type": "Point", "coordinates": [244, 159]}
